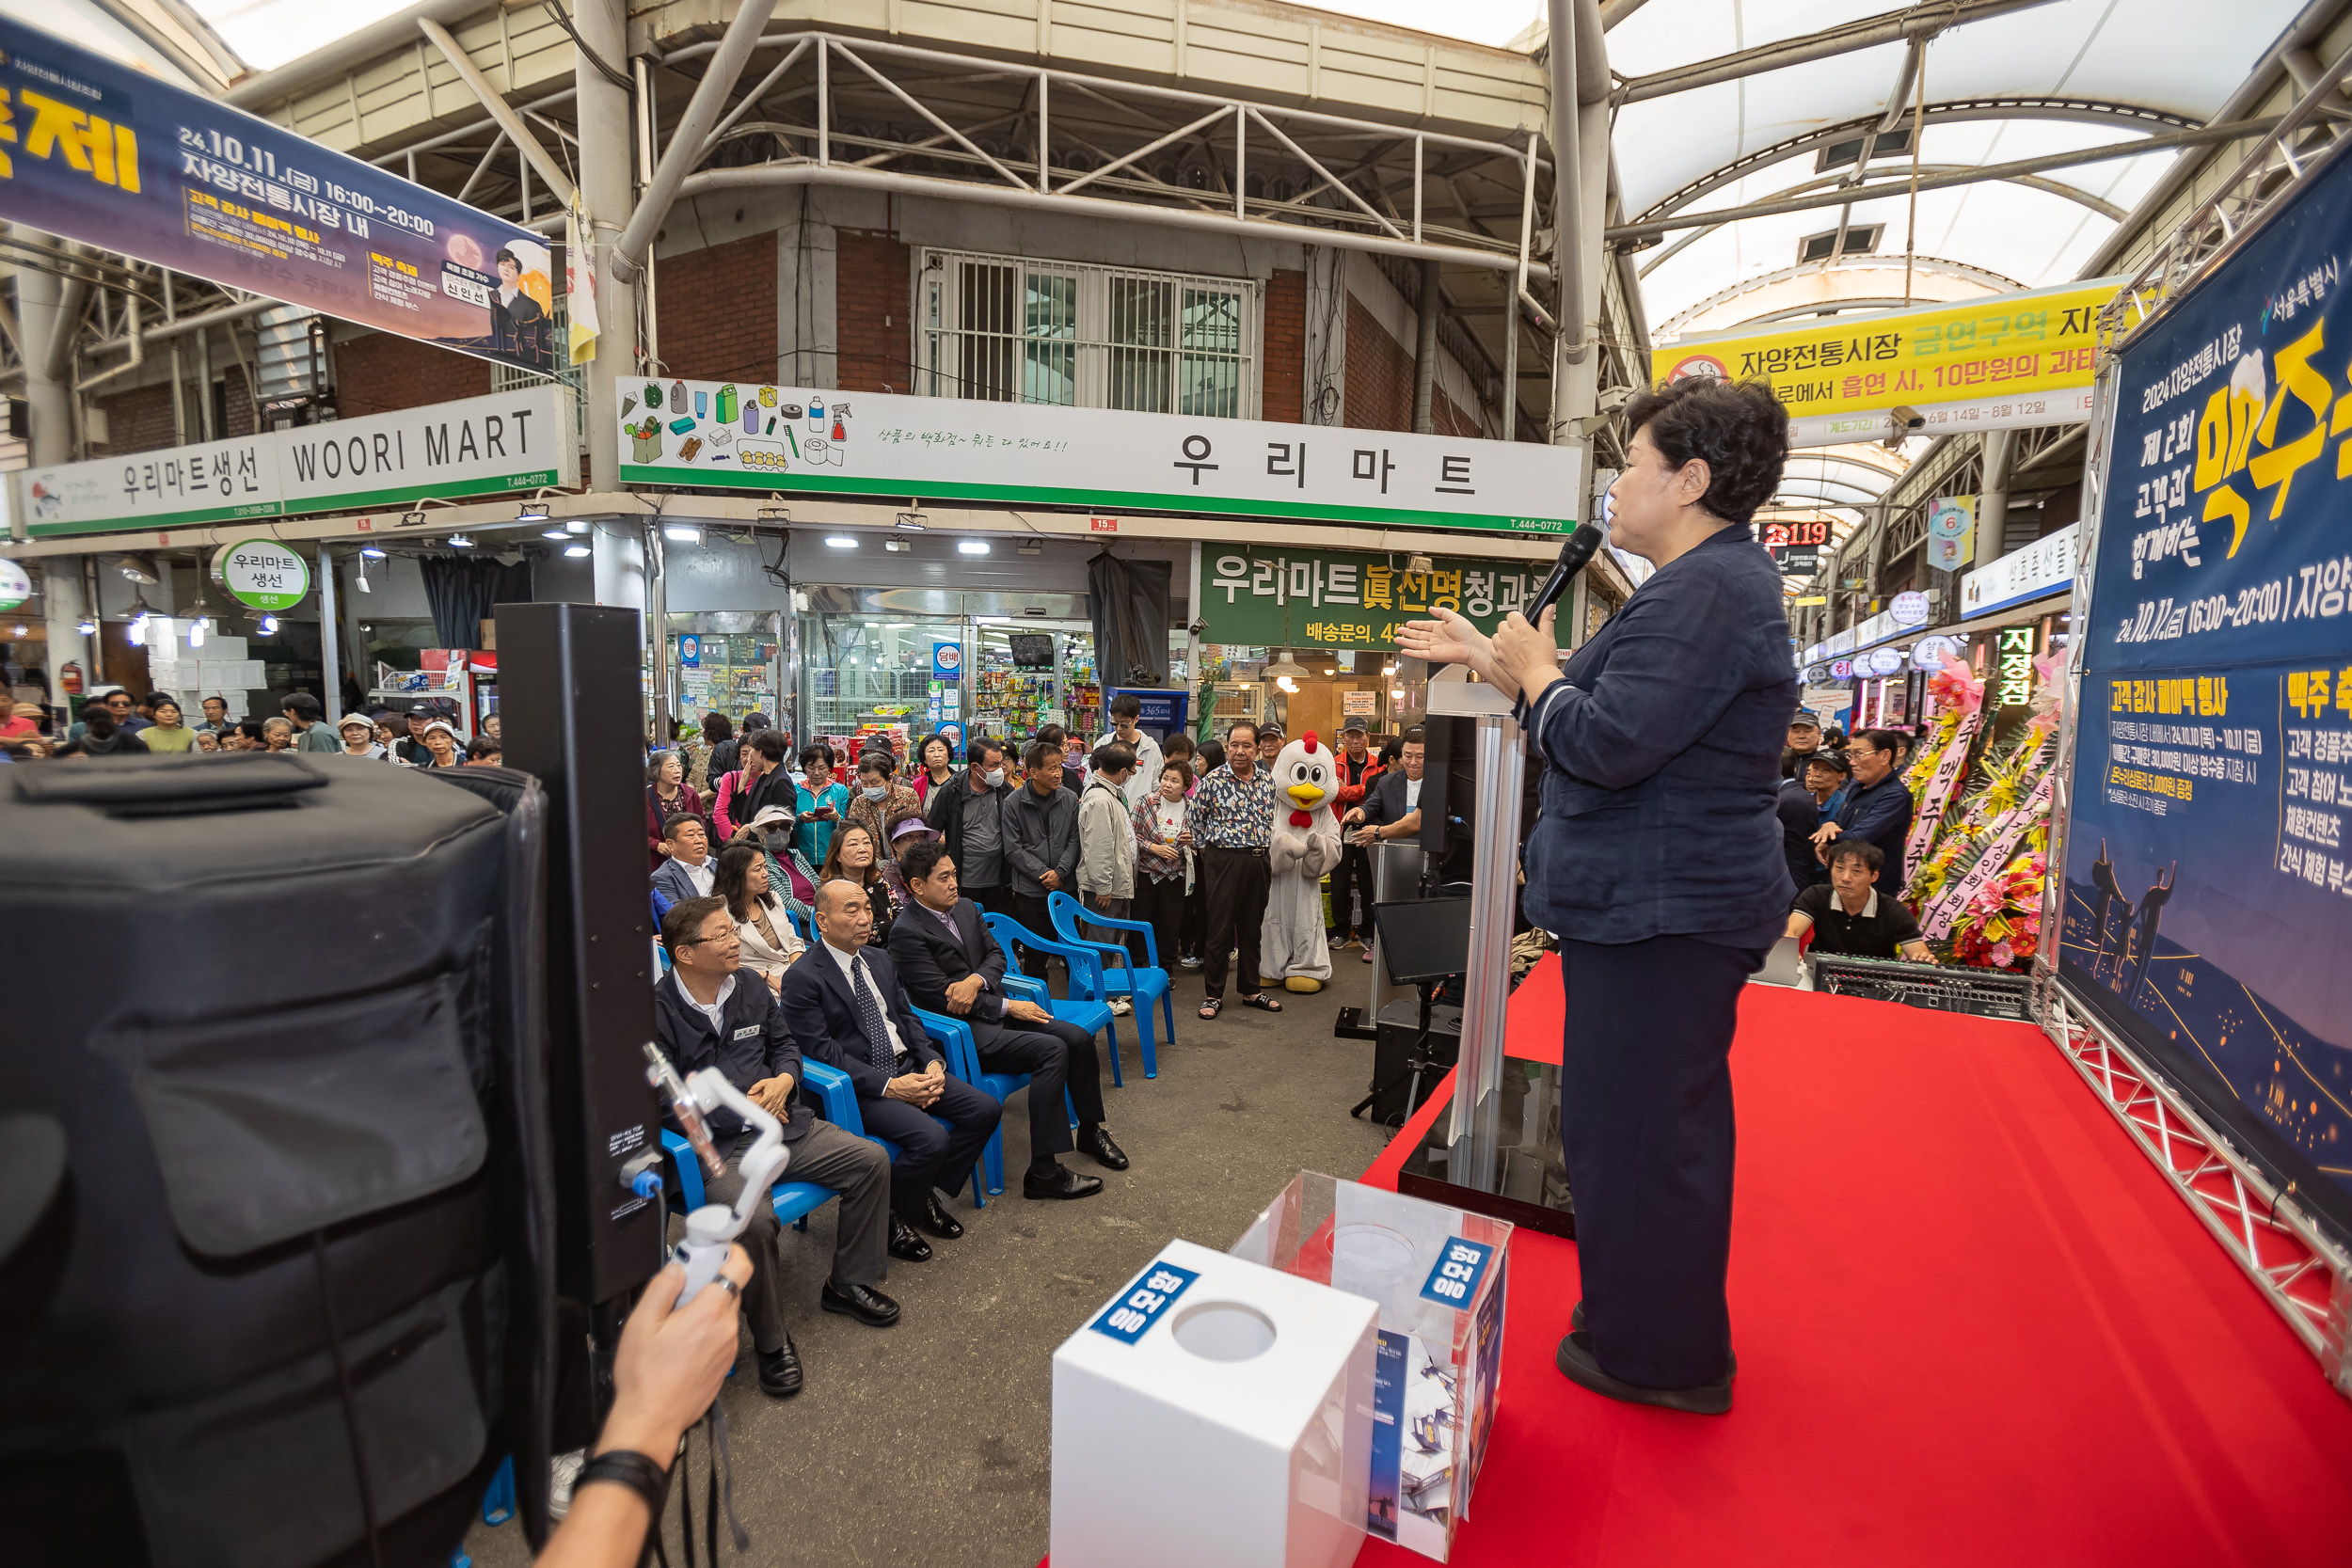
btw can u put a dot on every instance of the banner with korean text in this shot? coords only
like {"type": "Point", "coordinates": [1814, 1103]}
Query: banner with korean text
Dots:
{"type": "Point", "coordinates": [98, 152]}
{"type": "Point", "coordinates": [2002, 362]}
{"type": "Point", "coordinates": [518, 440]}
{"type": "Point", "coordinates": [2208, 877]}
{"type": "Point", "coordinates": [742, 435]}
{"type": "Point", "coordinates": [1264, 595]}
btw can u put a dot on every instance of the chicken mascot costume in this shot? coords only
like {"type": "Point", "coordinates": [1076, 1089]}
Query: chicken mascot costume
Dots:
{"type": "Point", "coordinates": [1292, 946]}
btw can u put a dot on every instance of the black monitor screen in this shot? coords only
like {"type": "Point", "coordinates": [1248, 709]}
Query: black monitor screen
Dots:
{"type": "Point", "coordinates": [1033, 650]}
{"type": "Point", "coordinates": [1424, 939]}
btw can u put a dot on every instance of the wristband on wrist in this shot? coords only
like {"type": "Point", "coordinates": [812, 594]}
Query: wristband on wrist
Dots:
{"type": "Point", "coordinates": [629, 1468]}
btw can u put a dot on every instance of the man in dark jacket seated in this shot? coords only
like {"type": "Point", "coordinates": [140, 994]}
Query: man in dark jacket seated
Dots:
{"type": "Point", "coordinates": [844, 1004]}
{"type": "Point", "coordinates": [951, 964]}
{"type": "Point", "coordinates": [709, 1015]}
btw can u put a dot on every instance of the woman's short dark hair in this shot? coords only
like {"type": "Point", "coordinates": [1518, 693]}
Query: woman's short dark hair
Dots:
{"type": "Point", "coordinates": [1178, 745]}
{"type": "Point", "coordinates": [732, 881]}
{"type": "Point", "coordinates": [769, 744]}
{"type": "Point", "coordinates": [921, 762]}
{"type": "Point", "coordinates": [716, 728]}
{"type": "Point", "coordinates": [811, 755]}
{"type": "Point", "coordinates": [1736, 428]}
{"type": "Point", "coordinates": [921, 859]}
{"type": "Point", "coordinates": [881, 763]}
{"type": "Point", "coordinates": [1212, 753]}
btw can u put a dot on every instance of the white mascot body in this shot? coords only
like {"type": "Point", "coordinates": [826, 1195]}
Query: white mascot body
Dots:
{"type": "Point", "coordinates": [1293, 947]}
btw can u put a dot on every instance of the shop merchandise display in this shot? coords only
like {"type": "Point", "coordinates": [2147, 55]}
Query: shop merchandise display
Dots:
{"type": "Point", "coordinates": [1982, 830]}
{"type": "Point", "coordinates": [1293, 946]}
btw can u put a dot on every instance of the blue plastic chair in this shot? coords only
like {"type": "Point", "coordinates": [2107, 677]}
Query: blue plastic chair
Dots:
{"type": "Point", "coordinates": [1087, 1006]}
{"type": "Point", "coordinates": [963, 1060]}
{"type": "Point", "coordinates": [1140, 985]}
{"type": "Point", "coordinates": [794, 1200]}
{"type": "Point", "coordinates": [800, 924]}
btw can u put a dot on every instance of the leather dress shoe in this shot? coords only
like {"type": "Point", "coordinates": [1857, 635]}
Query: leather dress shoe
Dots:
{"type": "Point", "coordinates": [1104, 1153]}
{"type": "Point", "coordinates": [780, 1372]}
{"type": "Point", "coordinates": [862, 1302]}
{"type": "Point", "coordinates": [1577, 1364]}
{"type": "Point", "coordinates": [1576, 1322]}
{"type": "Point", "coordinates": [1064, 1182]}
{"type": "Point", "coordinates": [905, 1244]}
{"type": "Point", "coordinates": [939, 1223]}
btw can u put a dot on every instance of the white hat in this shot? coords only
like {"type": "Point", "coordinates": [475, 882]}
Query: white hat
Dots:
{"type": "Point", "coordinates": [444, 726]}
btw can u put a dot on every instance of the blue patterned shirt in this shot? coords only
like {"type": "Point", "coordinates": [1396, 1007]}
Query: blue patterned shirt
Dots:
{"type": "Point", "coordinates": [1229, 813]}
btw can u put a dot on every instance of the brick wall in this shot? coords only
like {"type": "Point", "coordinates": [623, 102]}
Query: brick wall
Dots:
{"type": "Point", "coordinates": [1380, 382]}
{"type": "Point", "coordinates": [870, 305]}
{"type": "Point", "coordinates": [242, 417]}
{"type": "Point", "coordinates": [717, 310]}
{"type": "Point", "coordinates": [382, 372]}
{"type": "Point", "coordinates": [137, 420]}
{"type": "Point", "coordinates": [1282, 379]}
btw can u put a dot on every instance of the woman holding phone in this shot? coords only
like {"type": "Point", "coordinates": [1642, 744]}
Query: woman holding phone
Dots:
{"type": "Point", "coordinates": [822, 800]}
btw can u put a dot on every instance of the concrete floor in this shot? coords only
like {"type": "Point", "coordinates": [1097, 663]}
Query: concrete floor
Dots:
{"type": "Point", "coordinates": [930, 1442]}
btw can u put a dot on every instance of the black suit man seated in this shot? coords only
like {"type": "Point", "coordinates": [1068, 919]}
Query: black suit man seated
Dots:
{"type": "Point", "coordinates": [709, 1015]}
{"type": "Point", "coordinates": [845, 1007]}
{"type": "Point", "coordinates": [951, 964]}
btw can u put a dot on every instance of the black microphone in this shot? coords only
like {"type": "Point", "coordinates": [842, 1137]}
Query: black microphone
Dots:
{"type": "Point", "coordinates": [1580, 548]}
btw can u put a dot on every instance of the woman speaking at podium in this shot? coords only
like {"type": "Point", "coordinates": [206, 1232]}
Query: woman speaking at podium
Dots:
{"type": "Point", "coordinates": [1657, 862]}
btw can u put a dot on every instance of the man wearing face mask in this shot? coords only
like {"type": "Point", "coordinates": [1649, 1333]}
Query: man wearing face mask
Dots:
{"type": "Point", "coordinates": [968, 814]}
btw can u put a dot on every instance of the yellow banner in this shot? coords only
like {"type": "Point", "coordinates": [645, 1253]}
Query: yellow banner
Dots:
{"type": "Point", "coordinates": [2039, 341]}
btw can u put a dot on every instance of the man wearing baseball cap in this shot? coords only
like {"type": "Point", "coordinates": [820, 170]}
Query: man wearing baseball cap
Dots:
{"type": "Point", "coordinates": [1804, 739]}
{"type": "Point", "coordinates": [1353, 875]}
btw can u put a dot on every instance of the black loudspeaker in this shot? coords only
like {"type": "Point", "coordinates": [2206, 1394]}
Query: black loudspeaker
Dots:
{"type": "Point", "coordinates": [561, 671]}
{"type": "Point", "coordinates": [291, 1290]}
{"type": "Point", "coordinates": [1449, 793]}
{"type": "Point", "coordinates": [1399, 1026]}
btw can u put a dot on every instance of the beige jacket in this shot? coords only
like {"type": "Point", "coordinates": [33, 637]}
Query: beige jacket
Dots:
{"type": "Point", "coordinates": [1106, 842]}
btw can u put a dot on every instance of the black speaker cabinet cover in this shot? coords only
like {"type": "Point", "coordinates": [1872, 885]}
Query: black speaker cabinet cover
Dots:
{"type": "Point", "coordinates": [285, 1007]}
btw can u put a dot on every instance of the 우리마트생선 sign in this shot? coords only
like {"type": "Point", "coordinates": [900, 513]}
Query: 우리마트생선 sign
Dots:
{"type": "Point", "coordinates": [741, 434]}
{"type": "Point", "coordinates": [263, 574]}
{"type": "Point", "coordinates": [1268, 597]}
{"type": "Point", "coordinates": [95, 151]}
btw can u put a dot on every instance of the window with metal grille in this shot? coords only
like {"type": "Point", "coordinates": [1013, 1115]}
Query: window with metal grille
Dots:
{"type": "Point", "coordinates": [1007, 330]}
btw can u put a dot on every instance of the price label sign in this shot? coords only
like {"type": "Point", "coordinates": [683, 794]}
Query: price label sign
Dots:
{"type": "Point", "coordinates": [263, 574]}
{"type": "Point", "coordinates": [1454, 1281]}
{"type": "Point", "coordinates": [15, 586]}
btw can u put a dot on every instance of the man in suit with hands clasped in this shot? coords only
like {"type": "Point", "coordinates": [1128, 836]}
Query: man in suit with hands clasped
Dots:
{"type": "Point", "coordinates": [951, 964]}
{"type": "Point", "coordinates": [845, 1005]}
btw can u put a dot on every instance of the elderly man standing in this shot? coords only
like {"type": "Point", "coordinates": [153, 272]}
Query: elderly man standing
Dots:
{"type": "Point", "coordinates": [1041, 835]}
{"type": "Point", "coordinates": [1232, 825]}
{"type": "Point", "coordinates": [706, 1015]}
{"type": "Point", "coordinates": [845, 1007]}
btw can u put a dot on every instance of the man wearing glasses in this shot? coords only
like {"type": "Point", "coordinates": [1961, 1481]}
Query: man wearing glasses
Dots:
{"type": "Point", "coordinates": [706, 1015]}
{"type": "Point", "coordinates": [1878, 806]}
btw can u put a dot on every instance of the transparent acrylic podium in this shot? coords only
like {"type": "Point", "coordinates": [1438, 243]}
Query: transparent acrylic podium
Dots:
{"type": "Point", "coordinates": [1437, 1274]}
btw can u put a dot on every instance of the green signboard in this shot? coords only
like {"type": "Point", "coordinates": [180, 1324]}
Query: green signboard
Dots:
{"type": "Point", "coordinates": [1278, 598]}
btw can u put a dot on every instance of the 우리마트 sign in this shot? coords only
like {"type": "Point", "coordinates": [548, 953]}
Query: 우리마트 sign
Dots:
{"type": "Point", "coordinates": [98, 152]}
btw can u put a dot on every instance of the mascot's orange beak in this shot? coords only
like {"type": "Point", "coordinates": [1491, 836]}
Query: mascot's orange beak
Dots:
{"type": "Point", "coordinates": [1307, 795]}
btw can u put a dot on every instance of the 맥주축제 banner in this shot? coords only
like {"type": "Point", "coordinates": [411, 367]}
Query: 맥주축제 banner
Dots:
{"type": "Point", "coordinates": [2208, 876]}
{"type": "Point", "coordinates": [786, 438]}
{"type": "Point", "coordinates": [96, 152]}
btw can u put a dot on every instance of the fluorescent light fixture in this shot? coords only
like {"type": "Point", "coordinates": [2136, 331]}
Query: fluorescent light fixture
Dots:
{"type": "Point", "coordinates": [196, 632]}
{"type": "Point", "coordinates": [683, 533]}
{"type": "Point", "coordinates": [972, 546]}
{"type": "Point", "coordinates": [23, 630]}
{"type": "Point", "coordinates": [87, 627]}
{"type": "Point", "coordinates": [458, 541]}
{"type": "Point", "coordinates": [577, 552]}
{"type": "Point", "coordinates": [556, 534]}
{"type": "Point", "coordinates": [1397, 693]}
{"type": "Point", "coordinates": [913, 522]}
{"type": "Point", "coordinates": [269, 625]}
{"type": "Point", "coordinates": [137, 632]}
{"type": "Point", "coordinates": [531, 512]}
{"type": "Point", "coordinates": [579, 525]}
{"type": "Point", "coordinates": [1286, 683]}
{"type": "Point", "coordinates": [897, 547]}
{"type": "Point", "coordinates": [840, 542]}
{"type": "Point", "coordinates": [371, 552]}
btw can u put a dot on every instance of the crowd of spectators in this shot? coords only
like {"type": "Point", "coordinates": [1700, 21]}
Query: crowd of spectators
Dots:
{"type": "Point", "coordinates": [112, 722]}
{"type": "Point", "coordinates": [1844, 816]}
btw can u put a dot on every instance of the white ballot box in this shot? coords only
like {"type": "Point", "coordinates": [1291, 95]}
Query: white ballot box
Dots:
{"type": "Point", "coordinates": [1437, 1274]}
{"type": "Point", "coordinates": [1214, 1412]}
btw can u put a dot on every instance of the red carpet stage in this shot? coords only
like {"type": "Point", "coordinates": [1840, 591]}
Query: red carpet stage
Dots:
{"type": "Point", "coordinates": [1973, 1326]}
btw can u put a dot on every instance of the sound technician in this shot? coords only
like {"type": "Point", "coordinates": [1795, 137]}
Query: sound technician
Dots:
{"type": "Point", "coordinates": [1657, 862]}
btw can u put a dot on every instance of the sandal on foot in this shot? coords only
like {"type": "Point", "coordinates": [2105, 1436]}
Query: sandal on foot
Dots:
{"type": "Point", "coordinates": [1263, 1002]}
{"type": "Point", "coordinates": [1213, 1007]}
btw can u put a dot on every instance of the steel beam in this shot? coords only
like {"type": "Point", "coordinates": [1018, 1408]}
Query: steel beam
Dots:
{"type": "Point", "coordinates": [2200, 137]}
{"type": "Point", "coordinates": [693, 129]}
{"type": "Point", "coordinates": [499, 110]}
{"type": "Point", "coordinates": [1919, 21]}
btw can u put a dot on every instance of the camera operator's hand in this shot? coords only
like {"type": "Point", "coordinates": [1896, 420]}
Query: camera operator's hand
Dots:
{"type": "Point", "coordinates": [667, 1371]}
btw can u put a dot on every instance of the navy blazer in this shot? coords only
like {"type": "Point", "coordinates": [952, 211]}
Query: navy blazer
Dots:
{"type": "Point", "coordinates": [931, 960]}
{"type": "Point", "coordinates": [1665, 741]}
{"type": "Point", "coordinates": [1384, 802]}
{"type": "Point", "coordinates": [673, 883]}
{"type": "Point", "coordinates": [754, 1045]}
{"type": "Point", "coordinates": [823, 1018]}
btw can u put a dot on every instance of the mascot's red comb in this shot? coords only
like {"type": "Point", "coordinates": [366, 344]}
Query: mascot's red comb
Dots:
{"type": "Point", "coordinates": [1309, 739]}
